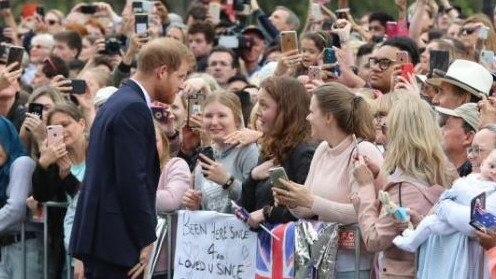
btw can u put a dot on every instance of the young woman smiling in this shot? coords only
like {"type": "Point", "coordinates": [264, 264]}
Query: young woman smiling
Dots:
{"type": "Point", "coordinates": [218, 181]}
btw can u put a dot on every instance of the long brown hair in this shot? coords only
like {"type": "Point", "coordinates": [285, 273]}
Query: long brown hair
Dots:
{"type": "Point", "coordinates": [352, 112]}
{"type": "Point", "coordinates": [290, 127]}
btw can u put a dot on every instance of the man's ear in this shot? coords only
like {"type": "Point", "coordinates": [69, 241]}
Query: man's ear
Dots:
{"type": "Point", "coordinates": [162, 72]}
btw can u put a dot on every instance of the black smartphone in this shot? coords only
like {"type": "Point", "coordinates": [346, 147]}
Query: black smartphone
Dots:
{"type": "Point", "coordinates": [4, 4]}
{"type": "Point", "coordinates": [15, 55]}
{"type": "Point", "coordinates": [208, 151]}
{"type": "Point", "coordinates": [195, 106]}
{"type": "Point", "coordinates": [342, 13]}
{"type": "Point", "coordinates": [89, 9]}
{"type": "Point", "coordinates": [137, 7]}
{"type": "Point", "coordinates": [36, 108]}
{"type": "Point", "coordinates": [439, 59]}
{"type": "Point", "coordinates": [141, 24]}
{"type": "Point", "coordinates": [78, 86]}
{"type": "Point", "coordinates": [112, 46]}
{"type": "Point", "coordinates": [41, 11]}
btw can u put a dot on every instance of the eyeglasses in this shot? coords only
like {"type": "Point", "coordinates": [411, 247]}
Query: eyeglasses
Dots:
{"type": "Point", "coordinates": [384, 63]}
{"type": "Point", "coordinates": [475, 149]}
{"type": "Point", "coordinates": [468, 31]}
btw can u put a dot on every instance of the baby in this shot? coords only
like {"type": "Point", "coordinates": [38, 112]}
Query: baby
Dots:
{"type": "Point", "coordinates": [462, 192]}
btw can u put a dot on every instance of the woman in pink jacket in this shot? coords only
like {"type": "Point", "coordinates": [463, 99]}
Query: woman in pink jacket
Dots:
{"type": "Point", "coordinates": [418, 174]}
{"type": "Point", "coordinates": [175, 179]}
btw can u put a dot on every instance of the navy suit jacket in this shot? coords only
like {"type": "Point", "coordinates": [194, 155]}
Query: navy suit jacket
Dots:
{"type": "Point", "coordinates": [115, 215]}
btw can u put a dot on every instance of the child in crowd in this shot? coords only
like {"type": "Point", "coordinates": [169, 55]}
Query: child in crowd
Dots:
{"type": "Point", "coordinates": [462, 192]}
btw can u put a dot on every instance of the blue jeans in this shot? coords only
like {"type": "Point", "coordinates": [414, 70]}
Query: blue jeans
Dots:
{"type": "Point", "coordinates": [11, 262]}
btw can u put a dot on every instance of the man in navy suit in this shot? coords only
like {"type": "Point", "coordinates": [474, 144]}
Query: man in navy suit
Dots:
{"type": "Point", "coordinates": [114, 226]}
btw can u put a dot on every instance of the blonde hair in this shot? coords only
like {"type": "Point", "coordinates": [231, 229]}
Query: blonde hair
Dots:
{"type": "Point", "coordinates": [384, 103]}
{"type": "Point", "coordinates": [165, 156]}
{"type": "Point", "coordinates": [163, 51]}
{"type": "Point", "coordinates": [414, 144]}
{"type": "Point", "coordinates": [229, 100]}
{"type": "Point", "coordinates": [210, 80]}
{"type": "Point", "coordinates": [482, 18]}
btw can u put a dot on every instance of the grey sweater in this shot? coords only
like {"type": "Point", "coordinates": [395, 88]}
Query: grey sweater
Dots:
{"type": "Point", "coordinates": [239, 162]}
{"type": "Point", "coordinates": [12, 214]}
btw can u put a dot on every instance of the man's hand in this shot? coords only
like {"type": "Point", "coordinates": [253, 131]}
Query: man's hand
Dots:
{"type": "Point", "coordinates": [140, 267]}
{"type": "Point", "coordinates": [9, 76]}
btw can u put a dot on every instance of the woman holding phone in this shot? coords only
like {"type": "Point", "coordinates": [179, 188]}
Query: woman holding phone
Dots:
{"type": "Point", "coordinates": [343, 122]}
{"type": "Point", "coordinates": [283, 105]}
{"type": "Point", "coordinates": [221, 167]}
{"type": "Point", "coordinates": [59, 173]}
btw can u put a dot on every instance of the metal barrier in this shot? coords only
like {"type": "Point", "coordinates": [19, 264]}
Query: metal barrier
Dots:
{"type": "Point", "coordinates": [46, 206]}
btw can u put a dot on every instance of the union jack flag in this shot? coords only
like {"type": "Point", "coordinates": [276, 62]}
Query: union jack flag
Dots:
{"type": "Point", "coordinates": [275, 258]}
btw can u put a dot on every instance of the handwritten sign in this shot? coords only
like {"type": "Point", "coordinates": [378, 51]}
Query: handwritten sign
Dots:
{"type": "Point", "coordinates": [213, 245]}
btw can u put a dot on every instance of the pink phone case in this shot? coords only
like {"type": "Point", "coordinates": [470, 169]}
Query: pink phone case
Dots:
{"type": "Point", "coordinates": [55, 133]}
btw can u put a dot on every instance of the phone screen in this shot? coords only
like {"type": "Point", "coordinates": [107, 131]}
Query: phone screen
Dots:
{"type": "Point", "coordinates": [141, 23]}
{"type": "Point", "coordinates": [277, 173]}
{"type": "Point", "coordinates": [88, 9]}
{"type": "Point", "coordinates": [195, 106]}
{"type": "Point", "coordinates": [78, 86]}
{"type": "Point", "coordinates": [15, 55]}
{"type": "Point", "coordinates": [439, 59]}
{"type": "Point", "coordinates": [36, 108]}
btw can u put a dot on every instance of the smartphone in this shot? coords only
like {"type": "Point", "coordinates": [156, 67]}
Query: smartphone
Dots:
{"type": "Point", "coordinates": [141, 24]}
{"type": "Point", "coordinates": [402, 57]}
{"type": "Point", "coordinates": [15, 55]}
{"type": "Point", "coordinates": [89, 9]}
{"type": "Point", "coordinates": [314, 73]}
{"type": "Point", "coordinates": [55, 133]}
{"type": "Point", "coordinates": [406, 69]}
{"type": "Point", "coordinates": [330, 58]}
{"type": "Point", "coordinates": [78, 86]}
{"type": "Point", "coordinates": [342, 13]}
{"type": "Point", "coordinates": [36, 108]}
{"type": "Point", "coordinates": [486, 57]}
{"type": "Point", "coordinates": [214, 10]}
{"type": "Point", "coordinates": [275, 174]}
{"type": "Point", "coordinates": [480, 219]}
{"type": "Point", "coordinates": [195, 106]}
{"type": "Point", "coordinates": [483, 32]}
{"type": "Point", "coordinates": [391, 29]}
{"type": "Point", "coordinates": [316, 11]}
{"type": "Point", "coordinates": [4, 4]}
{"type": "Point", "coordinates": [161, 114]}
{"type": "Point", "coordinates": [289, 41]}
{"type": "Point", "coordinates": [208, 151]}
{"type": "Point", "coordinates": [439, 59]}
{"type": "Point", "coordinates": [41, 11]}
{"type": "Point", "coordinates": [137, 7]}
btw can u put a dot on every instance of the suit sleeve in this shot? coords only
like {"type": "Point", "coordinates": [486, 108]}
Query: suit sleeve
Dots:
{"type": "Point", "coordinates": [132, 129]}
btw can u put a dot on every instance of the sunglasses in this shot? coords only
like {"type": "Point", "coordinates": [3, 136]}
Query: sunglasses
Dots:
{"type": "Point", "coordinates": [384, 63]}
{"type": "Point", "coordinates": [51, 22]}
{"type": "Point", "coordinates": [468, 31]}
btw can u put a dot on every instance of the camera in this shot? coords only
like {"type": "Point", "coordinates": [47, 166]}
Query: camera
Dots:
{"type": "Point", "coordinates": [232, 39]}
{"type": "Point", "coordinates": [112, 46]}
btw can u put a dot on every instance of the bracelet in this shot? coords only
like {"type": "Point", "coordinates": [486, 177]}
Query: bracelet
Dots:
{"type": "Point", "coordinates": [228, 183]}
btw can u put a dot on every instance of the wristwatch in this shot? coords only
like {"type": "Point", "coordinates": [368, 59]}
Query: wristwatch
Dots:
{"type": "Point", "coordinates": [228, 183]}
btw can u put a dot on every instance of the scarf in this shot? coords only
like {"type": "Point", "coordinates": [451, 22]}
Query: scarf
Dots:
{"type": "Point", "coordinates": [13, 149]}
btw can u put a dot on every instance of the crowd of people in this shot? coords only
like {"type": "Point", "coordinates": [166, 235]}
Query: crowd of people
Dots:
{"type": "Point", "coordinates": [349, 106]}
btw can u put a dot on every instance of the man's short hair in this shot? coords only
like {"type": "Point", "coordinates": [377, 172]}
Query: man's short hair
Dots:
{"type": "Point", "coordinates": [206, 29]}
{"type": "Point", "coordinates": [197, 12]}
{"type": "Point", "coordinates": [382, 17]}
{"type": "Point", "coordinates": [163, 51]}
{"type": "Point", "coordinates": [292, 17]}
{"type": "Point", "coordinates": [71, 38]}
{"type": "Point", "coordinates": [235, 62]}
{"type": "Point", "coordinates": [405, 44]}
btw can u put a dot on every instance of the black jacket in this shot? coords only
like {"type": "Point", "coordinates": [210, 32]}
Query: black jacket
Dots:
{"type": "Point", "coordinates": [258, 193]}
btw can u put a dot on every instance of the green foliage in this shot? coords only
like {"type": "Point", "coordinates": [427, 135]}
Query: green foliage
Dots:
{"type": "Point", "coordinates": [358, 7]}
